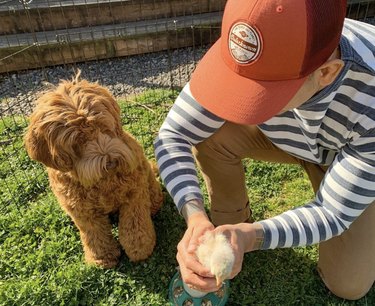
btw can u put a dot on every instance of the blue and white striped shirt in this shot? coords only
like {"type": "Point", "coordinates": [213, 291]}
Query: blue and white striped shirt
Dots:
{"type": "Point", "coordinates": [336, 127]}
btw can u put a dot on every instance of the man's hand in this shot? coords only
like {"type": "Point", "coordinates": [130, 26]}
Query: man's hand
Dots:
{"type": "Point", "coordinates": [192, 271]}
{"type": "Point", "coordinates": [244, 237]}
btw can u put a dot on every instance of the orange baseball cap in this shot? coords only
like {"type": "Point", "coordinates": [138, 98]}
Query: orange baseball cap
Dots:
{"type": "Point", "coordinates": [266, 51]}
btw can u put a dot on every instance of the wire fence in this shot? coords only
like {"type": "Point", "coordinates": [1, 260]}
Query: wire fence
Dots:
{"type": "Point", "coordinates": [132, 47]}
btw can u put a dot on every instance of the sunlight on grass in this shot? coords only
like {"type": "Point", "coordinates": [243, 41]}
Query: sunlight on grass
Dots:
{"type": "Point", "coordinates": [3, 100]}
{"type": "Point", "coordinates": [295, 192]}
{"type": "Point", "coordinates": [143, 114]}
{"type": "Point", "coordinates": [41, 257]}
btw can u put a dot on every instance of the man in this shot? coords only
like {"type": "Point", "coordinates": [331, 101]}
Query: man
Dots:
{"type": "Point", "coordinates": [288, 81]}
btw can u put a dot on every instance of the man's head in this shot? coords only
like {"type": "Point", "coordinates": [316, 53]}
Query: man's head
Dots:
{"type": "Point", "coordinates": [316, 81]}
{"type": "Point", "coordinates": [271, 54]}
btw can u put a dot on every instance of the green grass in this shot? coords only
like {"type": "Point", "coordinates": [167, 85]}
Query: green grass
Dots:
{"type": "Point", "coordinates": [41, 258]}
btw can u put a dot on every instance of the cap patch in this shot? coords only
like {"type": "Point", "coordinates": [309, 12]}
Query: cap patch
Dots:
{"type": "Point", "coordinates": [244, 43]}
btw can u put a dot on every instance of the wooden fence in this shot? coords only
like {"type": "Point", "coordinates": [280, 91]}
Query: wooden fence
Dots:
{"type": "Point", "coordinates": [44, 33]}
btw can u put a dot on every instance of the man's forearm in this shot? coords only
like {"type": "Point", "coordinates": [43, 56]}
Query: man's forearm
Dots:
{"type": "Point", "coordinates": [192, 207]}
{"type": "Point", "coordinates": [259, 237]}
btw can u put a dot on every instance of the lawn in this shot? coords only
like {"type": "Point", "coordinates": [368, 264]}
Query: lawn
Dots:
{"type": "Point", "coordinates": [41, 258]}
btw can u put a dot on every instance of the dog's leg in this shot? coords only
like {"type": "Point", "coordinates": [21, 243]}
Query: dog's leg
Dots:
{"type": "Point", "coordinates": [136, 230]}
{"type": "Point", "coordinates": [99, 245]}
{"type": "Point", "coordinates": [156, 194]}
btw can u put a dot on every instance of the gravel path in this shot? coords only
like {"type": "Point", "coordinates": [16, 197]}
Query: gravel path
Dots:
{"type": "Point", "coordinates": [123, 77]}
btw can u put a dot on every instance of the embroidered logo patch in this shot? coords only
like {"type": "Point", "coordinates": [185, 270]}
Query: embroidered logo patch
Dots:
{"type": "Point", "coordinates": [244, 43]}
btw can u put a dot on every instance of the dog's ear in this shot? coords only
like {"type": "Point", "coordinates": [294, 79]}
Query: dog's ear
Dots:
{"type": "Point", "coordinates": [39, 149]}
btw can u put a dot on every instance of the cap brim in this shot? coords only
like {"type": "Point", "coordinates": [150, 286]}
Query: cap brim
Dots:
{"type": "Point", "coordinates": [235, 98]}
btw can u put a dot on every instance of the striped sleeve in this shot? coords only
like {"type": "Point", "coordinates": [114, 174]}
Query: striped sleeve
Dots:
{"type": "Point", "coordinates": [362, 34]}
{"type": "Point", "coordinates": [186, 124]}
{"type": "Point", "coordinates": [347, 189]}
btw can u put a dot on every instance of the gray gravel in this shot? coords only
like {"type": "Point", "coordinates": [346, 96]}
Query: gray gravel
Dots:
{"type": "Point", "coordinates": [123, 77]}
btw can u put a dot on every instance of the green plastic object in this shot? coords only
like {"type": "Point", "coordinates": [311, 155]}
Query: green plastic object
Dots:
{"type": "Point", "coordinates": [179, 297]}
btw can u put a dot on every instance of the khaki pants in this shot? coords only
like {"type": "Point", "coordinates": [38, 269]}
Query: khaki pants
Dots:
{"type": "Point", "coordinates": [346, 263]}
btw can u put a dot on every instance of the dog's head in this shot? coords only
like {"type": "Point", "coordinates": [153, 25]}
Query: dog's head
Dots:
{"type": "Point", "coordinates": [76, 128]}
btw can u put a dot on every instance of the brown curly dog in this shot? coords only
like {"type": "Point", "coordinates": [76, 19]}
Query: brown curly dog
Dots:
{"type": "Point", "coordinates": [95, 169]}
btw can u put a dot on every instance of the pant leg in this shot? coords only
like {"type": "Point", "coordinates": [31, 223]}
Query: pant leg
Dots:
{"type": "Point", "coordinates": [315, 173]}
{"type": "Point", "coordinates": [220, 160]}
{"type": "Point", "coordinates": [347, 262]}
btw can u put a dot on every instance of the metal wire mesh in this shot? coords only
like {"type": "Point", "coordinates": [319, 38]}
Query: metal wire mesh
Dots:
{"type": "Point", "coordinates": [130, 46]}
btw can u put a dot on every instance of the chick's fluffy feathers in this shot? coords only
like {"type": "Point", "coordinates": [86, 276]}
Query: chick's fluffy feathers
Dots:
{"type": "Point", "coordinates": [215, 253]}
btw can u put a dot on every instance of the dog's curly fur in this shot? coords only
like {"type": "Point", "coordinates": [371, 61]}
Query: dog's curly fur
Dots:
{"type": "Point", "coordinates": [95, 169]}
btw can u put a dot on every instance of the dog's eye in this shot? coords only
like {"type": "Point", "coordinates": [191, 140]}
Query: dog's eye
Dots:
{"type": "Point", "coordinates": [111, 164]}
{"type": "Point", "coordinates": [76, 149]}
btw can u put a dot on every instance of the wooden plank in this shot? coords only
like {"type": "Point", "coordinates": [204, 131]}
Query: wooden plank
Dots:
{"type": "Point", "coordinates": [96, 50]}
{"type": "Point", "coordinates": [84, 14]}
{"type": "Point", "coordinates": [124, 30]}
{"type": "Point", "coordinates": [141, 37]}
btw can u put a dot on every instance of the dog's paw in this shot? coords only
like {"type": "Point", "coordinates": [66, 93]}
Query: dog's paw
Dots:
{"type": "Point", "coordinates": [140, 255]}
{"type": "Point", "coordinates": [141, 251]}
{"type": "Point", "coordinates": [106, 261]}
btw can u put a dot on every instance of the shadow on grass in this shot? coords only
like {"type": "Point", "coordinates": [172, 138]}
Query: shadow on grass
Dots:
{"type": "Point", "coordinates": [273, 277]}
{"type": "Point", "coordinates": [43, 265]}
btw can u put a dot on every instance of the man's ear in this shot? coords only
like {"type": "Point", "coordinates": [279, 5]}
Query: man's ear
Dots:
{"type": "Point", "coordinates": [329, 71]}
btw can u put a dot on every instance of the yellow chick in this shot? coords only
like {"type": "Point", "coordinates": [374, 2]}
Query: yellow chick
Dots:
{"type": "Point", "coordinates": [215, 253]}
